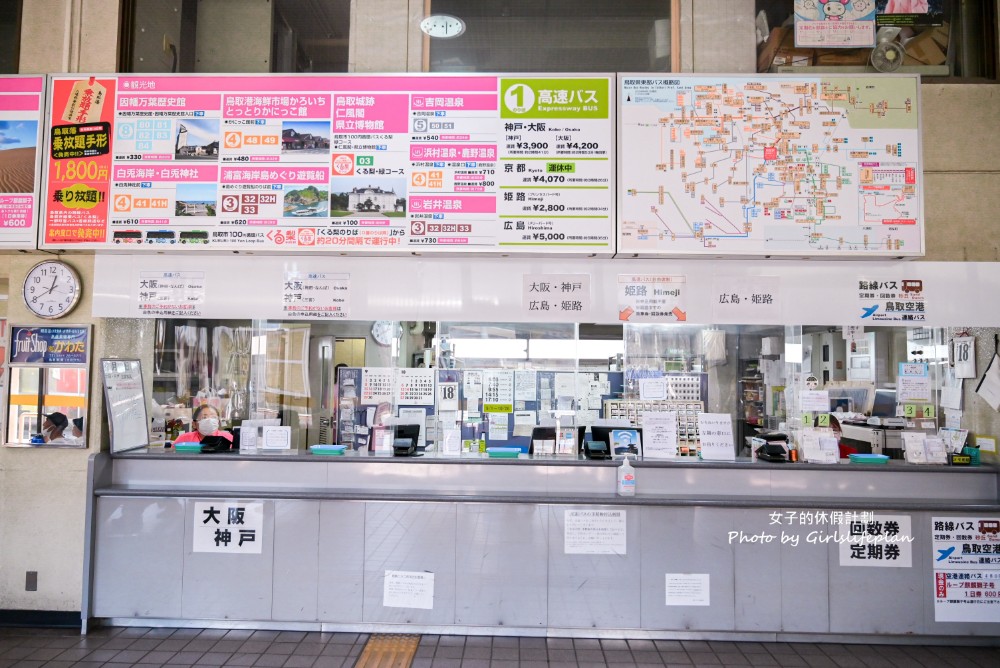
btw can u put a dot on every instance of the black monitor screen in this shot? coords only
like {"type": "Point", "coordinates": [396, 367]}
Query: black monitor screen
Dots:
{"type": "Point", "coordinates": [407, 431]}
{"type": "Point", "coordinates": [885, 403]}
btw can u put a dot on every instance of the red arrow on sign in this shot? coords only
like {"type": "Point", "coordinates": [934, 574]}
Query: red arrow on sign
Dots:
{"type": "Point", "coordinates": [681, 315]}
{"type": "Point", "coordinates": [626, 313]}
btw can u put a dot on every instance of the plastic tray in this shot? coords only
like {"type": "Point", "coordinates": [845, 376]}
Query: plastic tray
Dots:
{"type": "Point", "coordinates": [511, 453]}
{"type": "Point", "coordinates": [327, 449]}
{"type": "Point", "coordinates": [868, 459]}
{"type": "Point", "coordinates": [187, 447]}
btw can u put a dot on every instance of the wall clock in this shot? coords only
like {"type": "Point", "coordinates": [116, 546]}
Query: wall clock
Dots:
{"type": "Point", "coordinates": [383, 331]}
{"type": "Point", "coordinates": [51, 289]}
{"type": "Point", "coordinates": [443, 25]}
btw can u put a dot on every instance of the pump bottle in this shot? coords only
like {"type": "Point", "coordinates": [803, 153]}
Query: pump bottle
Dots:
{"type": "Point", "coordinates": [626, 478]}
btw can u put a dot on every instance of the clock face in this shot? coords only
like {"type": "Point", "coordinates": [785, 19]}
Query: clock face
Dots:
{"type": "Point", "coordinates": [442, 25]}
{"type": "Point", "coordinates": [383, 332]}
{"type": "Point", "coordinates": [51, 289]}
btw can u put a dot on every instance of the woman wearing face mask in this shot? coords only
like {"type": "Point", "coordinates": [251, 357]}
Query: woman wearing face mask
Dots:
{"type": "Point", "coordinates": [206, 423]}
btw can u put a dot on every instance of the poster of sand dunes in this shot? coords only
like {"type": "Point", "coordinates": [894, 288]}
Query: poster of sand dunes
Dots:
{"type": "Point", "coordinates": [20, 122]}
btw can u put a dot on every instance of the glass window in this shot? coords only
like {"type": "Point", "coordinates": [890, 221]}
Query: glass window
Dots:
{"type": "Point", "coordinates": [226, 36]}
{"type": "Point", "coordinates": [936, 38]}
{"type": "Point", "coordinates": [462, 386]}
{"type": "Point", "coordinates": [562, 36]}
{"type": "Point", "coordinates": [10, 37]}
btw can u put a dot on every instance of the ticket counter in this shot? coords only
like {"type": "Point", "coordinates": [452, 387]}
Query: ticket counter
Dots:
{"type": "Point", "coordinates": [525, 546]}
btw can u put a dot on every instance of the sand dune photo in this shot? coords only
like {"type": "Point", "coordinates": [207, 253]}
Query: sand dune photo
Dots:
{"type": "Point", "coordinates": [17, 170]}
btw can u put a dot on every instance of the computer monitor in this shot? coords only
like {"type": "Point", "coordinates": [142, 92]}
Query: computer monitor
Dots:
{"type": "Point", "coordinates": [885, 403]}
{"type": "Point", "coordinates": [410, 432]}
{"type": "Point", "coordinates": [603, 433]}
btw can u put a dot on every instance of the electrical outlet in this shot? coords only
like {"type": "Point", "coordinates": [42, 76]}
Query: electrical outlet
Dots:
{"type": "Point", "coordinates": [31, 581]}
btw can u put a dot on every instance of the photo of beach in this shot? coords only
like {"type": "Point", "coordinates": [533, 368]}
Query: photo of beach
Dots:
{"type": "Point", "coordinates": [195, 199]}
{"type": "Point", "coordinates": [18, 140]}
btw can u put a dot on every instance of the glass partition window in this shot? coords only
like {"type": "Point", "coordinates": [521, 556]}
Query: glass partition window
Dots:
{"type": "Point", "coordinates": [463, 386]}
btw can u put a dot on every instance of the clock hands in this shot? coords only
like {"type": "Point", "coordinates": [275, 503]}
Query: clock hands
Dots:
{"type": "Point", "coordinates": [53, 286]}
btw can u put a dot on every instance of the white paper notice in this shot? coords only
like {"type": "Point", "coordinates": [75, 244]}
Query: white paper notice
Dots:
{"type": "Point", "coordinates": [472, 388]}
{"type": "Point", "coordinates": [498, 426]}
{"type": "Point", "coordinates": [275, 438]}
{"type": "Point", "coordinates": [913, 382]}
{"type": "Point", "coordinates": [447, 397]}
{"type": "Point", "coordinates": [415, 416]}
{"type": "Point", "coordinates": [164, 293]}
{"type": "Point", "coordinates": [524, 386]}
{"type": "Point", "coordinates": [320, 295]}
{"type": "Point", "coordinates": [594, 531]}
{"type": "Point", "coordinates": [716, 433]}
{"type": "Point", "coordinates": [687, 589]}
{"type": "Point", "coordinates": [451, 439]}
{"type": "Point", "coordinates": [659, 434]}
{"type": "Point", "coordinates": [750, 300]}
{"type": "Point", "coordinates": [651, 298]}
{"type": "Point", "coordinates": [408, 589]}
{"type": "Point", "coordinates": [556, 294]}
{"type": "Point", "coordinates": [651, 389]}
{"type": "Point", "coordinates": [565, 385]}
{"type": "Point", "coordinates": [232, 527]}
{"type": "Point", "coordinates": [524, 422]}
{"type": "Point", "coordinates": [498, 391]}
{"type": "Point", "coordinates": [815, 400]}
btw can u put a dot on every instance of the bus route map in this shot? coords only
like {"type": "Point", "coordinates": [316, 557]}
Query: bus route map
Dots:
{"type": "Point", "coordinates": [770, 165]}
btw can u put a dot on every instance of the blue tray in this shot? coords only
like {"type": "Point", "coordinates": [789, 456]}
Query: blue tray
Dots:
{"type": "Point", "coordinates": [327, 449]}
{"type": "Point", "coordinates": [511, 453]}
{"type": "Point", "coordinates": [868, 459]}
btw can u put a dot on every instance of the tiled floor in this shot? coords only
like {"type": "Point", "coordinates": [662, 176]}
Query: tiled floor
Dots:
{"type": "Point", "coordinates": [110, 647]}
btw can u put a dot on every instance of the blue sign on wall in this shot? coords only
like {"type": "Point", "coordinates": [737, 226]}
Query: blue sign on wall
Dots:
{"type": "Point", "coordinates": [48, 345]}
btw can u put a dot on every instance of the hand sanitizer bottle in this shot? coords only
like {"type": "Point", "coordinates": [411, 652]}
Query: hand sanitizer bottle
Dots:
{"type": "Point", "coordinates": [626, 478]}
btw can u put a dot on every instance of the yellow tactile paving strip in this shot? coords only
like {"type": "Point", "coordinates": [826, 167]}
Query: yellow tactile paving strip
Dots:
{"type": "Point", "coordinates": [388, 650]}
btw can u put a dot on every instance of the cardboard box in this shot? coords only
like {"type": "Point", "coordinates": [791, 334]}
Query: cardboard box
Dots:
{"type": "Point", "coordinates": [843, 57]}
{"type": "Point", "coordinates": [941, 36]}
{"type": "Point", "coordinates": [767, 50]}
{"type": "Point", "coordinates": [785, 53]}
{"type": "Point", "coordinates": [924, 50]}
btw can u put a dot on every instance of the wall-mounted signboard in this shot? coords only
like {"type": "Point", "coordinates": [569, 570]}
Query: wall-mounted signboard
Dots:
{"type": "Point", "coordinates": [352, 164]}
{"type": "Point", "coordinates": [20, 158]}
{"type": "Point", "coordinates": [758, 165]}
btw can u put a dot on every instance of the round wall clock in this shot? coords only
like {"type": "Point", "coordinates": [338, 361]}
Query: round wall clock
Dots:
{"type": "Point", "coordinates": [51, 289]}
{"type": "Point", "coordinates": [383, 331]}
{"type": "Point", "coordinates": [443, 25]}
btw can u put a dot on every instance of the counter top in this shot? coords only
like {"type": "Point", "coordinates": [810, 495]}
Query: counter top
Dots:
{"type": "Point", "coordinates": [303, 455]}
{"type": "Point", "coordinates": [590, 499]}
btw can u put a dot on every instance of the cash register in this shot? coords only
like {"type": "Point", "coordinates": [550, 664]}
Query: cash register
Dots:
{"type": "Point", "coordinates": [880, 434]}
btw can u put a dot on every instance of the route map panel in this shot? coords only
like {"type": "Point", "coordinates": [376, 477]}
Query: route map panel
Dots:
{"type": "Point", "coordinates": [770, 165]}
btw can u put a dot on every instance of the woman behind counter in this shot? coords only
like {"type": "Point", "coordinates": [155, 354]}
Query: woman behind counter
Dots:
{"type": "Point", "coordinates": [205, 422]}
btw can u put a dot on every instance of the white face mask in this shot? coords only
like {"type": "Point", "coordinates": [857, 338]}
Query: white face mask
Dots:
{"type": "Point", "coordinates": [208, 425]}
{"type": "Point", "coordinates": [47, 432]}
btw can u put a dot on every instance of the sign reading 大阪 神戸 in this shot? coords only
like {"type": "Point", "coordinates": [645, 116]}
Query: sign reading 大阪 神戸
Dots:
{"type": "Point", "coordinates": [373, 163]}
